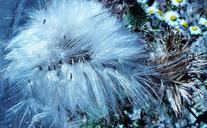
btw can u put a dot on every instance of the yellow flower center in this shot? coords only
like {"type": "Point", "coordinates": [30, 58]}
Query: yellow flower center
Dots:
{"type": "Point", "coordinates": [179, 1]}
{"type": "Point", "coordinates": [194, 28]}
{"type": "Point", "coordinates": [173, 18]}
{"type": "Point", "coordinates": [150, 11]}
{"type": "Point", "coordinates": [178, 29]}
{"type": "Point", "coordinates": [159, 12]}
{"type": "Point", "coordinates": [205, 23]}
{"type": "Point", "coordinates": [185, 24]}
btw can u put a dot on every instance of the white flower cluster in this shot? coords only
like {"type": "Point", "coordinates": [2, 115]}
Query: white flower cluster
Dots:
{"type": "Point", "coordinates": [173, 17]}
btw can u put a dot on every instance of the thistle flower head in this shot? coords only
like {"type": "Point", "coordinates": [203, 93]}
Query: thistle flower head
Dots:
{"type": "Point", "coordinates": [74, 57]}
{"type": "Point", "coordinates": [174, 60]}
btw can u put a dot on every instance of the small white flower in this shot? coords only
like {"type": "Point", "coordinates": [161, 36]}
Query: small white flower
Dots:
{"type": "Point", "coordinates": [151, 10]}
{"type": "Point", "coordinates": [195, 30]}
{"type": "Point", "coordinates": [171, 17]}
{"type": "Point", "coordinates": [178, 29]}
{"type": "Point", "coordinates": [184, 23]}
{"type": "Point", "coordinates": [178, 2]}
{"type": "Point", "coordinates": [203, 21]}
{"type": "Point", "coordinates": [142, 1]}
{"type": "Point", "coordinates": [159, 14]}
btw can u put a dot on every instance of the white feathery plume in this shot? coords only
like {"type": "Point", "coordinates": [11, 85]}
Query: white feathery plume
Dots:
{"type": "Point", "coordinates": [73, 58]}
